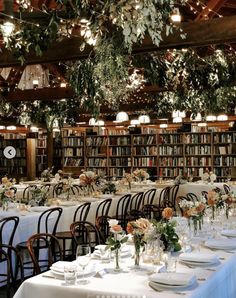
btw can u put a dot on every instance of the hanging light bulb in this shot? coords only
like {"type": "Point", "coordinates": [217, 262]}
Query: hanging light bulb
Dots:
{"type": "Point", "coordinates": [176, 16]}
{"type": "Point", "coordinates": [122, 117]}
{"type": "Point", "coordinates": [11, 127]}
{"type": "Point", "coordinates": [144, 119]}
{"type": "Point", "coordinates": [7, 28]}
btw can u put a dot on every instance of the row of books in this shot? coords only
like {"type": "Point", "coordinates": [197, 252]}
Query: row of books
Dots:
{"type": "Point", "coordinates": [198, 150]}
{"type": "Point", "coordinates": [144, 140]}
{"type": "Point", "coordinates": [171, 139]}
{"type": "Point", "coordinates": [73, 142]}
{"type": "Point", "coordinates": [97, 162]}
{"type": "Point", "coordinates": [119, 151]}
{"type": "Point", "coordinates": [73, 162]}
{"type": "Point", "coordinates": [225, 161]}
{"type": "Point", "coordinates": [145, 150]}
{"type": "Point", "coordinates": [198, 161]}
{"type": "Point", "coordinates": [97, 141]}
{"type": "Point", "coordinates": [197, 138]}
{"type": "Point", "coordinates": [171, 150]}
{"type": "Point", "coordinates": [120, 162]}
{"type": "Point", "coordinates": [225, 138]}
{"type": "Point", "coordinates": [145, 162]}
{"type": "Point", "coordinates": [73, 151]}
{"type": "Point", "coordinates": [171, 162]}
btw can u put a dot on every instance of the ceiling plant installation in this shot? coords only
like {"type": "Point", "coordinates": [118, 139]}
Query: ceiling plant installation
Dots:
{"type": "Point", "coordinates": [108, 30]}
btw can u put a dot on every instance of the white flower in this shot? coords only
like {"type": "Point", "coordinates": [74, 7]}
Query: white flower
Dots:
{"type": "Point", "coordinates": [113, 222]}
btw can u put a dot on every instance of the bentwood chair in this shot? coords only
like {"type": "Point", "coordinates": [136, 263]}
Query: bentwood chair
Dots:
{"type": "Point", "coordinates": [51, 248]}
{"type": "Point", "coordinates": [13, 279]}
{"type": "Point", "coordinates": [8, 226]}
{"type": "Point", "coordinates": [80, 214]}
{"type": "Point", "coordinates": [47, 223]}
{"type": "Point", "coordinates": [84, 232]}
{"type": "Point", "coordinates": [121, 209]}
{"type": "Point", "coordinates": [149, 196]}
{"type": "Point", "coordinates": [102, 225]}
{"type": "Point", "coordinates": [134, 212]}
{"type": "Point", "coordinates": [226, 188]}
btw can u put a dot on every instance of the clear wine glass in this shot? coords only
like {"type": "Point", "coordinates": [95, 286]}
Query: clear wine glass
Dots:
{"type": "Point", "coordinates": [83, 256]}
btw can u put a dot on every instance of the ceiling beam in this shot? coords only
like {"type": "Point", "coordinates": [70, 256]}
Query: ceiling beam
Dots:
{"type": "Point", "coordinates": [215, 31]}
{"type": "Point", "coordinates": [212, 7]}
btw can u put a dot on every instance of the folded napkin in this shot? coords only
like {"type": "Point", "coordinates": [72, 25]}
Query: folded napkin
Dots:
{"type": "Point", "coordinates": [198, 257]}
{"type": "Point", "coordinates": [174, 279]}
{"type": "Point", "coordinates": [229, 233]}
{"type": "Point", "coordinates": [221, 243]}
{"type": "Point", "coordinates": [59, 266]}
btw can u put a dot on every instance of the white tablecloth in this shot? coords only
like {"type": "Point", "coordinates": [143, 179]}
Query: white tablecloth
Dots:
{"type": "Point", "coordinates": [132, 283]}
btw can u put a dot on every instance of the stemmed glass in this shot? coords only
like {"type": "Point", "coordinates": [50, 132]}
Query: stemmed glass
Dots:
{"type": "Point", "coordinates": [83, 256]}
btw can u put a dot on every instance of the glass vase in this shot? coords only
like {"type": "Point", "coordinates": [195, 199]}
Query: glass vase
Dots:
{"type": "Point", "coordinates": [5, 205]}
{"type": "Point", "coordinates": [117, 259]}
{"type": "Point", "coordinates": [137, 257]}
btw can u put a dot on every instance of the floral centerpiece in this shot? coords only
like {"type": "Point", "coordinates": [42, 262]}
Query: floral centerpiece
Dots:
{"type": "Point", "coordinates": [108, 188]}
{"type": "Point", "coordinates": [114, 243]}
{"type": "Point", "coordinates": [138, 229]}
{"type": "Point", "coordinates": [46, 175]}
{"type": "Point", "coordinates": [88, 179]}
{"type": "Point", "coordinates": [180, 180]}
{"type": "Point", "coordinates": [6, 193]}
{"type": "Point", "coordinates": [193, 211]}
{"type": "Point", "coordinates": [127, 178]}
{"type": "Point", "coordinates": [39, 195]}
{"type": "Point", "coordinates": [166, 229]}
{"type": "Point", "coordinates": [140, 174]}
{"type": "Point", "coordinates": [218, 199]}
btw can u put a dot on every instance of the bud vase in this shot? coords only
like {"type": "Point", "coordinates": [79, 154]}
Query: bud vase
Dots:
{"type": "Point", "coordinates": [117, 258]}
{"type": "Point", "coordinates": [5, 205]}
{"type": "Point", "coordinates": [137, 258]}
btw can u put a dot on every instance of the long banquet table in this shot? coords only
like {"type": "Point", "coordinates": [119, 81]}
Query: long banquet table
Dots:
{"type": "Point", "coordinates": [219, 283]}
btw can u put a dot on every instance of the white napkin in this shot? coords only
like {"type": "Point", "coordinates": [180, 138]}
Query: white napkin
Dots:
{"type": "Point", "coordinates": [59, 266]}
{"type": "Point", "coordinates": [229, 233]}
{"type": "Point", "coordinates": [198, 257]}
{"type": "Point", "coordinates": [175, 278]}
{"type": "Point", "coordinates": [221, 243]}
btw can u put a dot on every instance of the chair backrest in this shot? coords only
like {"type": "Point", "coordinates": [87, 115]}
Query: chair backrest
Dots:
{"type": "Point", "coordinates": [81, 212]}
{"type": "Point", "coordinates": [102, 224]}
{"type": "Point", "coordinates": [103, 208]}
{"type": "Point", "coordinates": [173, 195]}
{"type": "Point", "coordinates": [46, 188]}
{"type": "Point", "coordinates": [84, 232]}
{"type": "Point", "coordinates": [164, 198]}
{"type": "Point", "coordinates": [75, 190]}
{"type": "Point", "coordinates": [8, 226]}
{"type": "Point", "coordinates": [122, 206]}
{"type": "Point", "coordinates": [191, 197]}
{"type": "Point", "coordinates": [149, 196]}
{"type": "Point", "coordinates": [27, 195]}
{"type": "Point", "coordinates": [204, 194]}
{"type": "Point", "coordinates": [14, 269]}
{"type": "Point", "coordinates": [136, 201]}
{"type": "Point", "coordinates": [50, 246]}
{"type": "Point", "coordinates": [151, 211]}
{"type": "Point", "coordinates": [226, 188]}
{"type": "Point", "coordinates": [57, 189]}
{"type": "Point", "coordinates": [48, 220]}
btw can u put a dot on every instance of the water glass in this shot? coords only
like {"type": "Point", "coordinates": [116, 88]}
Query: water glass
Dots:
{"type": "Point", "coordinates": [105, 255]}
{"type": "Point", "coordinates": [171, 264]}
{"type": "Point", "coordinates": [70, 273]}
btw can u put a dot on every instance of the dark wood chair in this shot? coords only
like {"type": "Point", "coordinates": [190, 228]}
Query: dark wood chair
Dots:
{"type": "Point", "coordinates": [121, 209]}
{"type": "Point", "coordinates": [134, 211]}
{"type": "Point", "coordinates": [13, 279]}
{"type": "Point", "coordinates": [103, 208]}
{"type": "Point", "coordinates": [47, 223]}
{"type": "Point", "coordinates": [51, 248]}
{"type": "Point", "coordinates": [102, 225]}
{"type": "Point", "coordinates": [148, 196]}
{"type": "Point", "coordinates": [27, 194]}
{"type": "Point", "coordinates": [226, 188]}
{"type": "Point", "coordinates": [151, 211]}
{"type": "Point", "coordinates": [8, 226]}
{"type": "Point", "coordinates": [84, 232]}
{"type": "Point", "coordinates": [57, 189]}
{"type": "Point", "coordinates": [80, 214]}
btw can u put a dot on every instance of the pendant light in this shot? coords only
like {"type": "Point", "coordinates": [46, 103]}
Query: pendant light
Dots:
{"type": "Point", "coordinates": [144, 119]}
{"type": "Point", "coordinates": [222, 117]}
{"type": "Point", "coordinates": [122, 117]}
{"type": "Point", "coordinates": [210, 118]}
{"type": "Point", "coordinates": [92, 121]}
{"type": "Point", "coordinates": [197, 117]}
{"type": "Point", "coordinates": [178, 113]}
{"type": "Point", "coordinates": [177, 119]}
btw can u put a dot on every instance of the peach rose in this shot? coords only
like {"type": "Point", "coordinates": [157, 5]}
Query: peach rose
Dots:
{"type": "Point", "coordinates": [200, 207]}
{"type": "Point", "coordinates": [167, 213]}
{"type": "Point", "coordinates": [116, 229]}
{"type": "Point", "coordinates": [9, 193]}
{"type": "Point", "coordinates": [143, 224]}
{"type": "Point", "coordinates": [5, 180]}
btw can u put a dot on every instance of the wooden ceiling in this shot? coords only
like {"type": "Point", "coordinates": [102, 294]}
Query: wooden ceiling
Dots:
{"type": "Point", "coordinates": [206, 22]}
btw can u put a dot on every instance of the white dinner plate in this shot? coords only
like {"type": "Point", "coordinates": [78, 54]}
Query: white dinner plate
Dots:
{"type": "Point", "coordinates": [229, 233]}
{"type": "Point", "coordinates": [160, 286]}
{"type": "Point", "coordinates": [200, 264]}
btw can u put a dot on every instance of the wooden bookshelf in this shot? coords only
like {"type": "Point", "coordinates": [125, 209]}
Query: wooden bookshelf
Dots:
{"type": "Point", "coordinates": [160, 154]}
